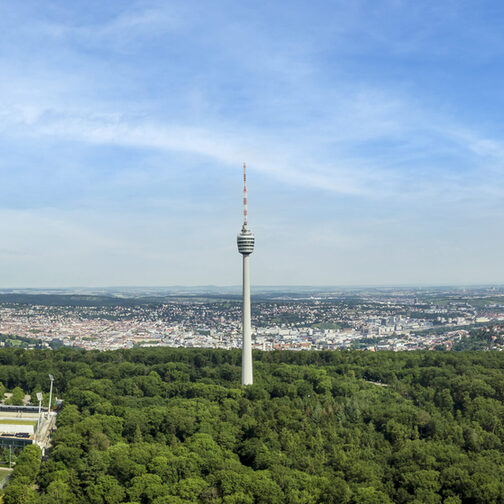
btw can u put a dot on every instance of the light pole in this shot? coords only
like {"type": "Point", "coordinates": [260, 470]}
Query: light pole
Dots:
{"type": "Point", "coordinates": [50, 395]}
{"type": "Point", "coordinates": [39, 397]}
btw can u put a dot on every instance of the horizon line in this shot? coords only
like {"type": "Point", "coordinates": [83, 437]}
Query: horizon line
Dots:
{"type": "Point", "coordinates": [260, 286]}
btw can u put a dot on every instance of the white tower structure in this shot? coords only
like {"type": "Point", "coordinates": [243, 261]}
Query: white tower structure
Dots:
{"type": "Point", "coordinates": [246, 247]}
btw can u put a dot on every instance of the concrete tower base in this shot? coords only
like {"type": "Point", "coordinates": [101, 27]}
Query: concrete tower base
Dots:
{"type": "Point", "coordinates": [247, 377]}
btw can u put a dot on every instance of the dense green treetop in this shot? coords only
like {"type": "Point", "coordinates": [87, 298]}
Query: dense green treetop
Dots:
{"type": "Point", "coordinates": [165, 425]}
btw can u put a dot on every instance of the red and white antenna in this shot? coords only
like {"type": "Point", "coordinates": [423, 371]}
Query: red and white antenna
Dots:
{"type": "Point", "coordinates": [245, 212]}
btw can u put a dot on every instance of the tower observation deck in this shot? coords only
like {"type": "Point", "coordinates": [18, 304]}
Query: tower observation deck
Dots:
{"type": "Point", "coordinates": [246, 241]}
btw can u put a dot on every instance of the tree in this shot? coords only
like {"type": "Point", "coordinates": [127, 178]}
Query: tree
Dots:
{"type": "Point", "coordinates": [59, 491]}
{"type": "Point", "coordinates": [17, 397]}
{"type": "Point", "coordinates": [106, 490]}
{"type": "Point", "coordinates": [369, 495]}
{"type": "Point", "coordinates": [146, 488]}
{"type": "Point", "coordinates": [18, 493]}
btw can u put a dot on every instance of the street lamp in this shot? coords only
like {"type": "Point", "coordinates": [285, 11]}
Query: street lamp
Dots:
{"type": "Point", "coordinates": [50, 395]}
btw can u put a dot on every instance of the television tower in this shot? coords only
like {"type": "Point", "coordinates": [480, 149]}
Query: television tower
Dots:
{"type": "Point", "coordinates": [245, 242]}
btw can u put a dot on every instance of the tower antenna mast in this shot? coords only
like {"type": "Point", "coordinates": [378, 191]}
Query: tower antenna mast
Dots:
{"type": "Point", "coordinates": [245, 209]}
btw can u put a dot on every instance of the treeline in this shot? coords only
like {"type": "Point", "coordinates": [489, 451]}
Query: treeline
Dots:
{"type": "Point", "coordinates": [167, 425]}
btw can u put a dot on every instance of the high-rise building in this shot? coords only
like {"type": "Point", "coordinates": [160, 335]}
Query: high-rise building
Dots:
{"type": "Point", "coordinates": [246, 246]}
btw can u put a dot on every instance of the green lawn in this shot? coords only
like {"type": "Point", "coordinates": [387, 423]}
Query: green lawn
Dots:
{"type": "Point", "coordinates": [17, 421]}
{"type": "Point", "coordinates": [3, 474]}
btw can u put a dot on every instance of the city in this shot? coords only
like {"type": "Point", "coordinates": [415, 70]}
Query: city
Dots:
{"type": "Point", "coordinates": [372, 319]}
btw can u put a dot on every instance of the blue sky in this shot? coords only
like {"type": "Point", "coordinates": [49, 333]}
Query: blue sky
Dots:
{"type": "Point", "coordinates": [373, 132]}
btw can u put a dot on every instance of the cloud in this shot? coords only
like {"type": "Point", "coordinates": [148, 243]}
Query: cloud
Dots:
{"type": "Point", "coordinates": [369, 159]}
{"type": "Point", "coordinates": [127, 26]}
{"type": "Point", "coordinates": [356, 167]}
{"type": "Point", "coordinates": [222, 145]}
{"type": "Point", "coordinates": [228, 88]}
{"type": "Point", "coordinates": [293, 120]}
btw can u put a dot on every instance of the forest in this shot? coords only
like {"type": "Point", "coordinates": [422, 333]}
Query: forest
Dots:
{"type": "Point", "coordinates": [165, 425]}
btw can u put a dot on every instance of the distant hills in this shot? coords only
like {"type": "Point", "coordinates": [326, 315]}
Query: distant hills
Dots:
{"type": "Point", "coordinates": [128, 296]}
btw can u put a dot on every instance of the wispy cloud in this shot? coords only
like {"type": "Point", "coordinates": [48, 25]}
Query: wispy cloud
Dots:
{"type": "Point", "coordinates": [119, 31]}
{"type": "Point", "coordinates": [376, 174]}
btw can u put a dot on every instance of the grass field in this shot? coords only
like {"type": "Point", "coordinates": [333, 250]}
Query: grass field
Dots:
{"type": "Point", "coordinates": [16, 421]}
{"type": "Point", "coordinates": [3, 475]}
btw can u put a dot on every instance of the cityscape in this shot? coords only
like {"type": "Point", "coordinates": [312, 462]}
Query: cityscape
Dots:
{"type": "Point", "coordinates": [366, 319]}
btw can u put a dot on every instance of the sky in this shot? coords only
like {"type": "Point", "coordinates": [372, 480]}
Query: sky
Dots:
{"type": "Point", "coordinates": [373, 133]}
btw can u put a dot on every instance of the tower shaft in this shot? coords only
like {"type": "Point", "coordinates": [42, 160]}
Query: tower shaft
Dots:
{"type": "Point", "coordinates": [247, 376]}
